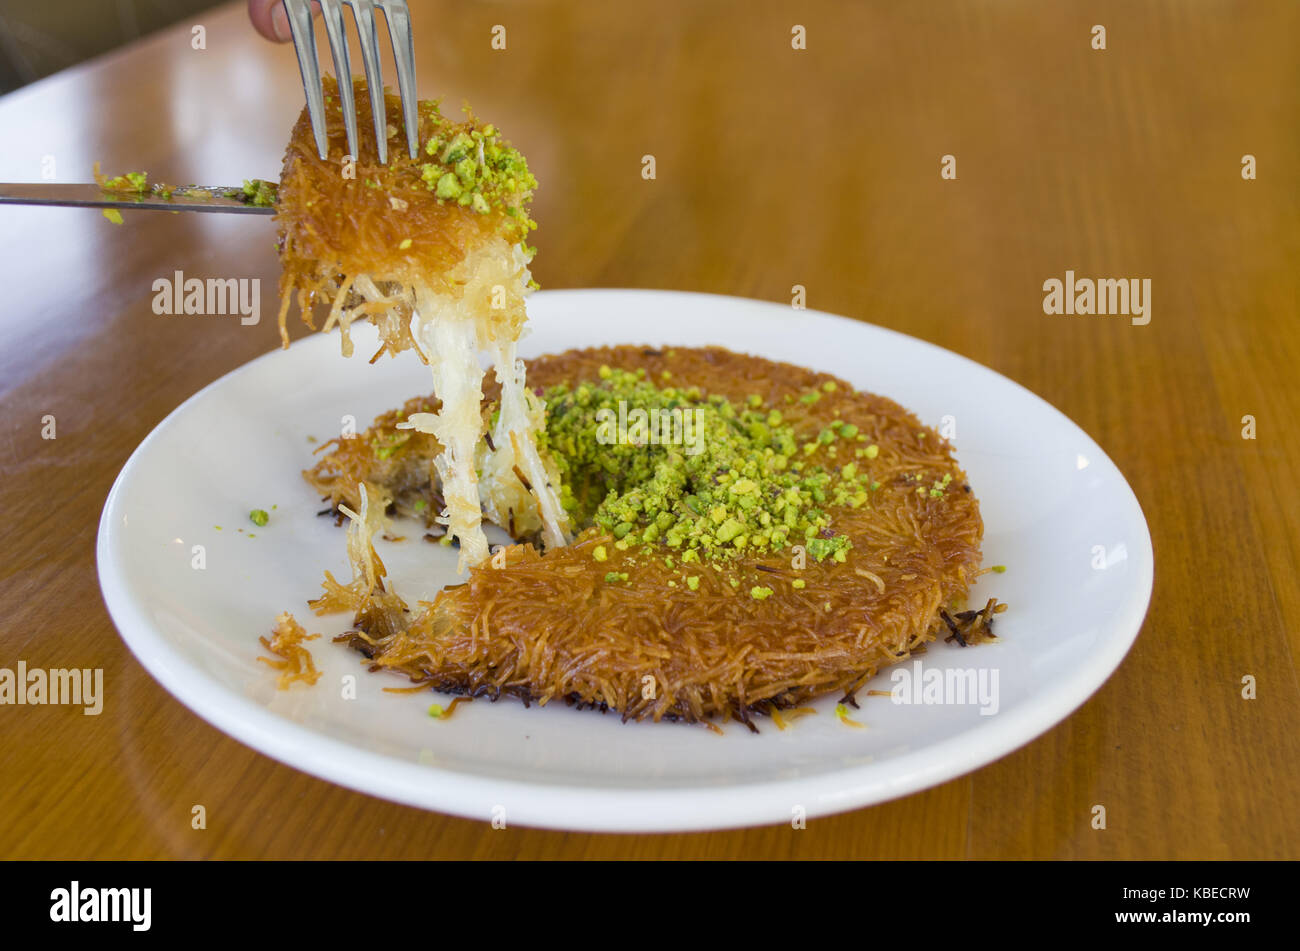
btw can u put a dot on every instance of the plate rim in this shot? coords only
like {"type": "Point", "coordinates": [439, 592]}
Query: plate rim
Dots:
{"type": "Point", "coordinates": [627, 810]}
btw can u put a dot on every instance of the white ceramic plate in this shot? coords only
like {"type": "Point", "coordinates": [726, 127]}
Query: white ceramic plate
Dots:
{"type": "Point", "coordinates": [1057, 513]}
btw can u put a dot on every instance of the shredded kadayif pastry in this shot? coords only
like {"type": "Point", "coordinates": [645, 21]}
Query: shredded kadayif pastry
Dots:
{"type": "Point", "coordinates": [802, 537]}
{"type": "Point", "coordinates": [787, 537]}
{"type": "Point", "coordinates": [295, 661]}
{"type": "Point", "coordinates": [433, 251]}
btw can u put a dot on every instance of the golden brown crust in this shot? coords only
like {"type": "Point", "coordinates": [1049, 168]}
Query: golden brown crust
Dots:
{"type": "Point", "coordinates": [381, 222]}
{"type": "Point", "coordinates": [292, 659]}
{"type": "Point", "coordinates": [549, 627]}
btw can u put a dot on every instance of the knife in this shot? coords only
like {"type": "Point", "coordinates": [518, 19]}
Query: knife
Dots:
{"type": "Point", "coordinates": [158, 198]}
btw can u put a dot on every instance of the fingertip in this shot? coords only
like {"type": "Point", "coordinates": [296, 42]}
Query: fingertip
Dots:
{"type": "Point", "coordinates": [270, 20]}
{"type": "Point", "coordinates": [280, 22]}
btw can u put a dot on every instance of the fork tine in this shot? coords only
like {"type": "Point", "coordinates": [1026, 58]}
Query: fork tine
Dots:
{"type": "Point", "coordinates": [304, 44]}
{"type": "Point", "coordinates": [398, 16]}
{"type": "Point", "coordinates": [368, 34]}
{"type": "Point", "coordinates": [332, 14]}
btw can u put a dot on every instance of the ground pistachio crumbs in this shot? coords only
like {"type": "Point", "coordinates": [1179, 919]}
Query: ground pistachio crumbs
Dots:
{"type": "Point", "coordinates": [256, 191]}
{"type": "Point", "coordinates": [700, 475]}
{"type": "Point", "coordinates": [474, 167]}
{"type": "Point", "coordinates": [260, 192]}
{"type": "Point", "coordinates": [130, 182]}
{"type": "Point", "coordinates": [259, 517]}
{"type": "Point", "coordinates": [385, 445]}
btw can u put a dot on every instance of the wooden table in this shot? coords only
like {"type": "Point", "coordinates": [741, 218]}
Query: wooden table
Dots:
{"type": "Point", "coordinates": [775, 167]}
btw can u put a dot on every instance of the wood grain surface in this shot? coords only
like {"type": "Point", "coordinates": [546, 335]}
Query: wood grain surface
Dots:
{"type": "Point", "coordinates": [775, 167]}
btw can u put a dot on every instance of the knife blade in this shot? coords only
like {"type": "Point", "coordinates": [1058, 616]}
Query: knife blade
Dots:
{"type": "Point", "coordinates": [212, 198]}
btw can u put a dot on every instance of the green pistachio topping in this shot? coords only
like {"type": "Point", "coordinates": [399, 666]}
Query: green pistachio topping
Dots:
{"type": "Point", "coordinates": [385, 446]}
{"type": "Point", "coordinates": [448, 186]}
{"type": "Point", "coordinates": [261, 193]}
{"type": "Point", "coordinates": [130, 182]}
{"type": "Point", "coordinates": [696, 473]}
{"type": "Point", "coordinates": [475, 168]}
{"type": "Point", "coordinates": [254, 192]}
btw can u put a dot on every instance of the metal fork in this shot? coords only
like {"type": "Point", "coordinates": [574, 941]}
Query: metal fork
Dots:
{"type": "Point", "coordinates": [398, 18]}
